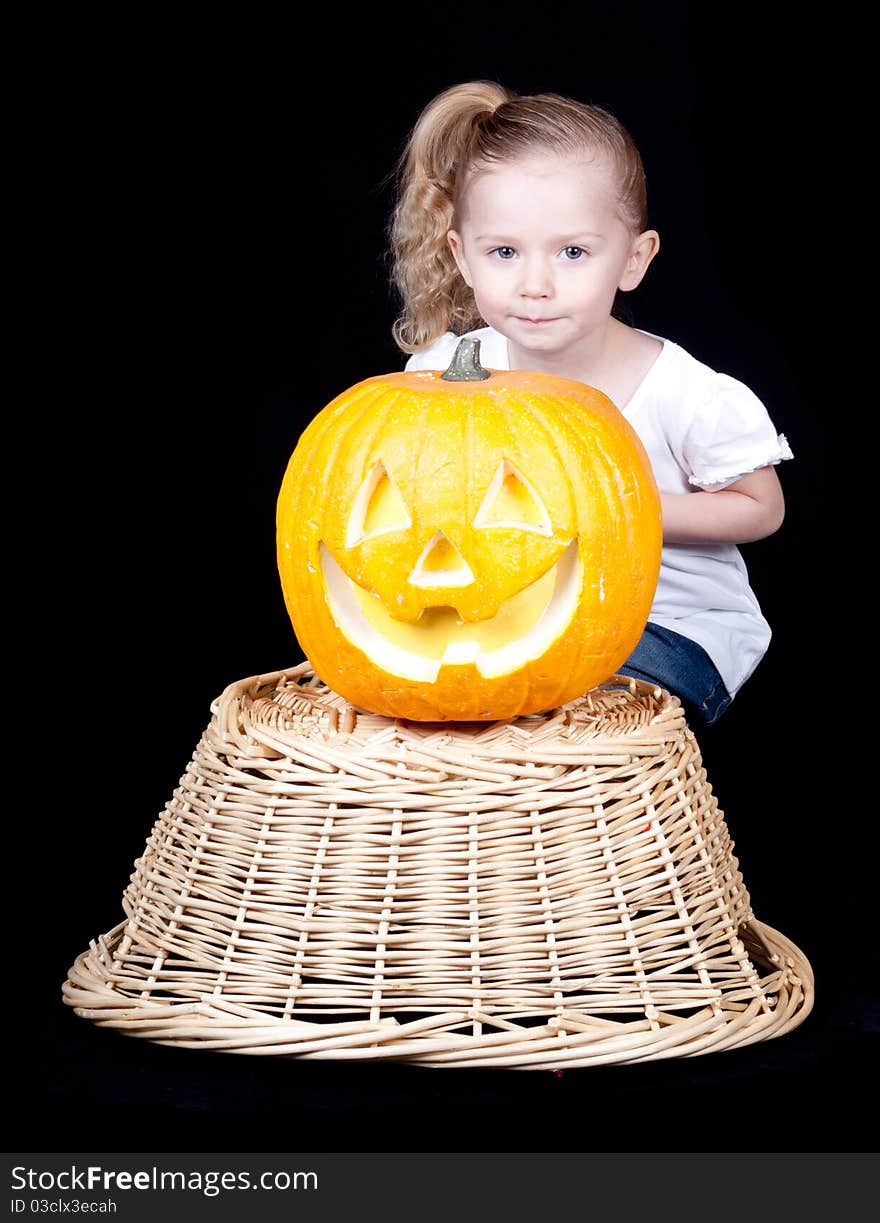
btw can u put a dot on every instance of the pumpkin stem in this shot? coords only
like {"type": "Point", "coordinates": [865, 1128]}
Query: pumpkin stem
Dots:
{"type": "Point", "coordinates": [465, 364]}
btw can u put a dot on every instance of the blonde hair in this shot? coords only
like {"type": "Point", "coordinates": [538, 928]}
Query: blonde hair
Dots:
{"type": "Point", "coordinates": [463, 128]}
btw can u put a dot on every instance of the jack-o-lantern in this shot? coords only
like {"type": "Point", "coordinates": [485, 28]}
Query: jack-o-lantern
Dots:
{"type": "Point", "coordinates": [468, 545]}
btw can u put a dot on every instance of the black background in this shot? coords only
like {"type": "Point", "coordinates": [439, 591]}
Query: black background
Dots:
{"type": "Point", "coordinates": [210, 272]}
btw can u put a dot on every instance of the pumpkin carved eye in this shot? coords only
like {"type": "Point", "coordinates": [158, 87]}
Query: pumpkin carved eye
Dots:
{"type": "Point", "coordinates": [511, 501]}
{"type": "Point", "coordinates": [378, 508]}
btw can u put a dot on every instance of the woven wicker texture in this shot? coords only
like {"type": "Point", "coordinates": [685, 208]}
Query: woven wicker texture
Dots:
{"type": "Point", "coordinates": [554, 891]}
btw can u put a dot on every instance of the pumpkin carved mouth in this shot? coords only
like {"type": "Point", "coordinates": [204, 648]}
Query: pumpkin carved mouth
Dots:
{"type": "Point", "coordinates": [523, 628]}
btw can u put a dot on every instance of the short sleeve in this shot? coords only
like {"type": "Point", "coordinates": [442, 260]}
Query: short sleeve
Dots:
{"type": "Point", "coordinates": [731, 434]}
{"type": "Point", "coordinates": [436, 355]}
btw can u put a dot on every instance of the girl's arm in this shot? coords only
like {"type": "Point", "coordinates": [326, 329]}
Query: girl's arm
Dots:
{"type": "Point", "coordinates": [750, 509]}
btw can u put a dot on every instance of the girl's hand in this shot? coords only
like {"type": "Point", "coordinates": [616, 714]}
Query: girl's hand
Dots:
{"type": "Point", "coordinates": [750, 509]}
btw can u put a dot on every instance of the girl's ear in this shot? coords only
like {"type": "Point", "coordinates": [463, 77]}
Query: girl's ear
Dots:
{"type": "Point", "coordinates": [644, 248]}
{"type": "Point", "coordinates": [453, 237]}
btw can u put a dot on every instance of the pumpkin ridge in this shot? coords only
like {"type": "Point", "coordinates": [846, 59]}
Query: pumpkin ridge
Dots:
{"type": "Point", "coordinates": [381, 425]}
{"type": "Point", "coordinates": [550, 435]}
{"type": "Point", "coordinates": [377, 414]}
{"type": "Point", "coordinates": [581, 428]}
{"type": "Point", "coordinates": [310, 441]}
{"type": "Point", "coordinates": [469, 442]}
{"type": "Point", "coordinates": [299, 509]}
{"type": "Point", "coordinates": [383, 413]}
{"type": "Point", "coordinates": [319, 426]}
{"type": "Point", "coordinates": [521, 403]}
{"type": "Point", "coordinates": [549, 429]}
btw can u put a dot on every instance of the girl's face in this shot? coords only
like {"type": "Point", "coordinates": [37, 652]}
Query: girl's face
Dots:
{"type": "Point", "coordinates": [544, 250]}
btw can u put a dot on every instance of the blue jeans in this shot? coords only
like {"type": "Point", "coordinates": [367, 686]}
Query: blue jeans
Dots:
{"type": "Point", "coordinates": [683, 668]}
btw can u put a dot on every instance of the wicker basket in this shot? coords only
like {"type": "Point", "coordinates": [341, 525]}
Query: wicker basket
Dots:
{"type": "Point", "coordinates": [553, 891]}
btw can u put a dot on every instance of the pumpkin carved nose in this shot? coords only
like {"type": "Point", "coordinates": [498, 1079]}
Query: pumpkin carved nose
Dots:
{"type": "Point", "coordinates": [441, 564]}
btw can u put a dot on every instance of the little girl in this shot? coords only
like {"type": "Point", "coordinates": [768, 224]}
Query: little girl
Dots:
{"type": "Point", "coordinates": [517, 221]}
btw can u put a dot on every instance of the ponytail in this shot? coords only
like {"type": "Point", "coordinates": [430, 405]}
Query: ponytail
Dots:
{"type": "Point", "coordinates": [435, 297]}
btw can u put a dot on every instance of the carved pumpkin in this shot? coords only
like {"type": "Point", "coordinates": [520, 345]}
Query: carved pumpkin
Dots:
{"type": "Point", "coordinates": [468, 545]}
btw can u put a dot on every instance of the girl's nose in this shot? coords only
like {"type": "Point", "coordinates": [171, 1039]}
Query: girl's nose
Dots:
{"type": "Point", "coordinates": [535, 280]}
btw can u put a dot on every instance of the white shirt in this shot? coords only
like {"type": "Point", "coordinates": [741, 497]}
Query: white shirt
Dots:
{"type": "Point", "coordinates": [701, 429]}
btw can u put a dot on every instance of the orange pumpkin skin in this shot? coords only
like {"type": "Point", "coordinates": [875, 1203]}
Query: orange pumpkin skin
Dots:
{"type": "Point", "coordinates": [389, 535]}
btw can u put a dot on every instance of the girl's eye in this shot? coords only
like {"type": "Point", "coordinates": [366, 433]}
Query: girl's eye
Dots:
{"type": "Point", "coordinates": [574, 252]}
{"type": "Point", "coordinates": [504, 252]}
